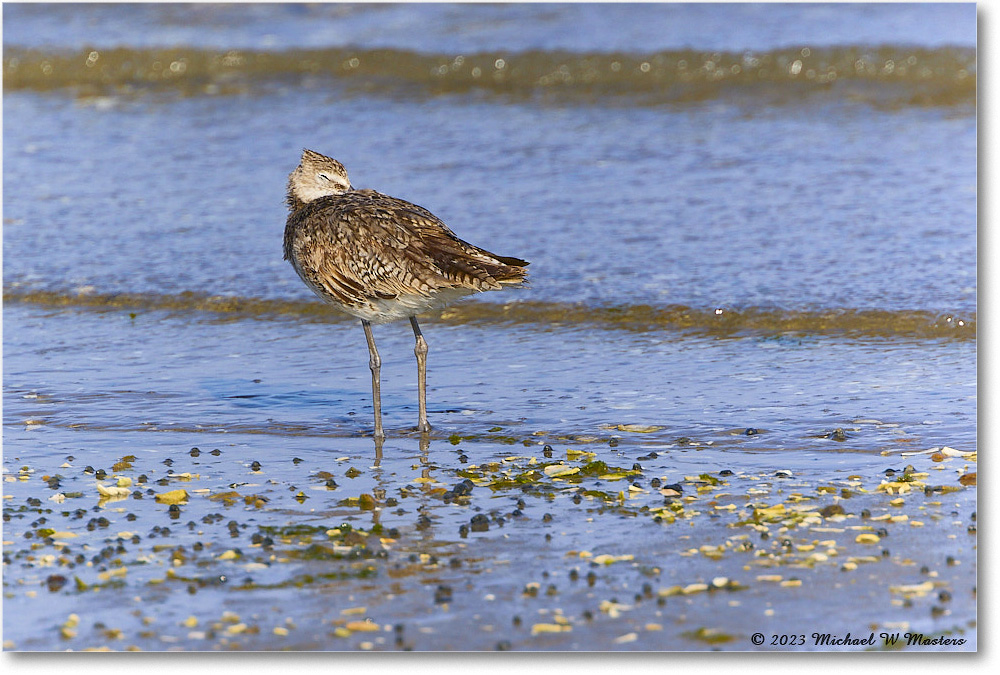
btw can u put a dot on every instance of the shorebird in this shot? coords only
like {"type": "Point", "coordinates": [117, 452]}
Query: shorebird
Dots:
{"type": "Point", "coordinates": [381, 259]}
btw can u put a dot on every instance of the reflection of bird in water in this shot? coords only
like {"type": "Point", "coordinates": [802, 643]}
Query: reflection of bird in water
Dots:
{"type": "Point", "coordinates": [381, 259]}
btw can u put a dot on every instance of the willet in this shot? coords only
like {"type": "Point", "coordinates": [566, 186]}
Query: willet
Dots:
{"type": "Point", "coordinates": [381, 259]}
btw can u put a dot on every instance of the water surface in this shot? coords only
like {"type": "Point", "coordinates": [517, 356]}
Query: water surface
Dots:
{"type": "Point", "coordinates": [752, 235]}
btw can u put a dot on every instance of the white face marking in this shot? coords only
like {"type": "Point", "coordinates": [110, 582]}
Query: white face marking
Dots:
{"type": "Point", "coordinates": [318, 176]}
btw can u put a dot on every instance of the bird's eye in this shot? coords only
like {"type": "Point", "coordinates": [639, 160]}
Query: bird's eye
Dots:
{"type": "Point", "coordinates": [323, 176]}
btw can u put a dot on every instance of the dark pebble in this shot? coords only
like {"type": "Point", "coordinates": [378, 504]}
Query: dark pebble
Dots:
{"type": "Point", "coordinates": [831, 510]}
{"type": "Point", "coordinates": [255, 466]}
{"type": "Point", "coordinates": [423, 522]}
{"type": "Point", "coordinates": [654, 483]}
{"type": "Point", "coordinates": [613, 443]}
{"type": "Point", "coordinates": [195, 452]}
{"type": "Point", "coordinates": [442, 594]}
{"type": "Point", "coordinates": [751, 432]}
{"type": "Point", "coordinates": [55, 582]}
{"type": "Point", "coordinates": [726, 472]}
{"type": "Point", "coordinates": [503, 646]}
{"type": "Point", "coordinates": [479, 523]}
{"type": "Point", "coordinates": [463, 488]}
{"type": "Point", "coordinates": [837, 435]}
{"type": "Point", "coordinates": [463, 530]}
{"type": "Point", "coordinates": [547, 517]}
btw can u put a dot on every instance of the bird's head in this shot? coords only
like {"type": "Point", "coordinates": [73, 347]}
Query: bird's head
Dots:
{"type": "Point", "coordinates": [316, 176]}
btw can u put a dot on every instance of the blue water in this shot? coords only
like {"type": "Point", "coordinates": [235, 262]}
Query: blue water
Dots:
{"type": "Point", "coordinates": [801, 200]}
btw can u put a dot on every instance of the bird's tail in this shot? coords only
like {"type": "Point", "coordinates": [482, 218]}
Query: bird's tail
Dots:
{"type": "Point", "coordinates": [511, 270]}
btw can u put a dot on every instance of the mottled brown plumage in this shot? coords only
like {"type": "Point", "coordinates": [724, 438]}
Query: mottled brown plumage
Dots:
{"type": "Point", "coordinates": [380, 258]}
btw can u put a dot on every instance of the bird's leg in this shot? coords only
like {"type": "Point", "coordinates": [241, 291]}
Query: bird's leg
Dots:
{"type": "Point", "coordinates": [375, 363]}
{"type": "Point", "coordinates": [421, 351]}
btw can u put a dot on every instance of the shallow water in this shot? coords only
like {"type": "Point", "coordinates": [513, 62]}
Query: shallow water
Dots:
{"type": "Point", "coordinates": [730, 273]}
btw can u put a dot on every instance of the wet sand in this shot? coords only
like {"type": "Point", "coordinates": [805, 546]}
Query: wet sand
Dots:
{"type": "Point", "coordinates": [515, 539]}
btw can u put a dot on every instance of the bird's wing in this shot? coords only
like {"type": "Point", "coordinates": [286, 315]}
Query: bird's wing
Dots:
{"type": "Point", "coordinates": [363, 244]}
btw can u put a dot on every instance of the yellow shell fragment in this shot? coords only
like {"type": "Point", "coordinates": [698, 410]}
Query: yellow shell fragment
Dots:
{"type": "Point", "coordinates": [113, 492]}
{"type": "Point", "coordinates": [172, 497]}
{"type": "Point", "coordinates": [554, 470]}
{"type": "Point", "coordinates": [638, 428]}
{"type": "Point", "coordinates": [550, 628]}
{"type": "Point", "coordinates": [913, 589]}
{"type": "Point", "coordinates": [607, 559]}
{"type": "Point", "coordinates": [110, 574]}
{"type": "Point", "coordinates": [867, 538]}
{"type": "Point", "coordinates": [694, 588]}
